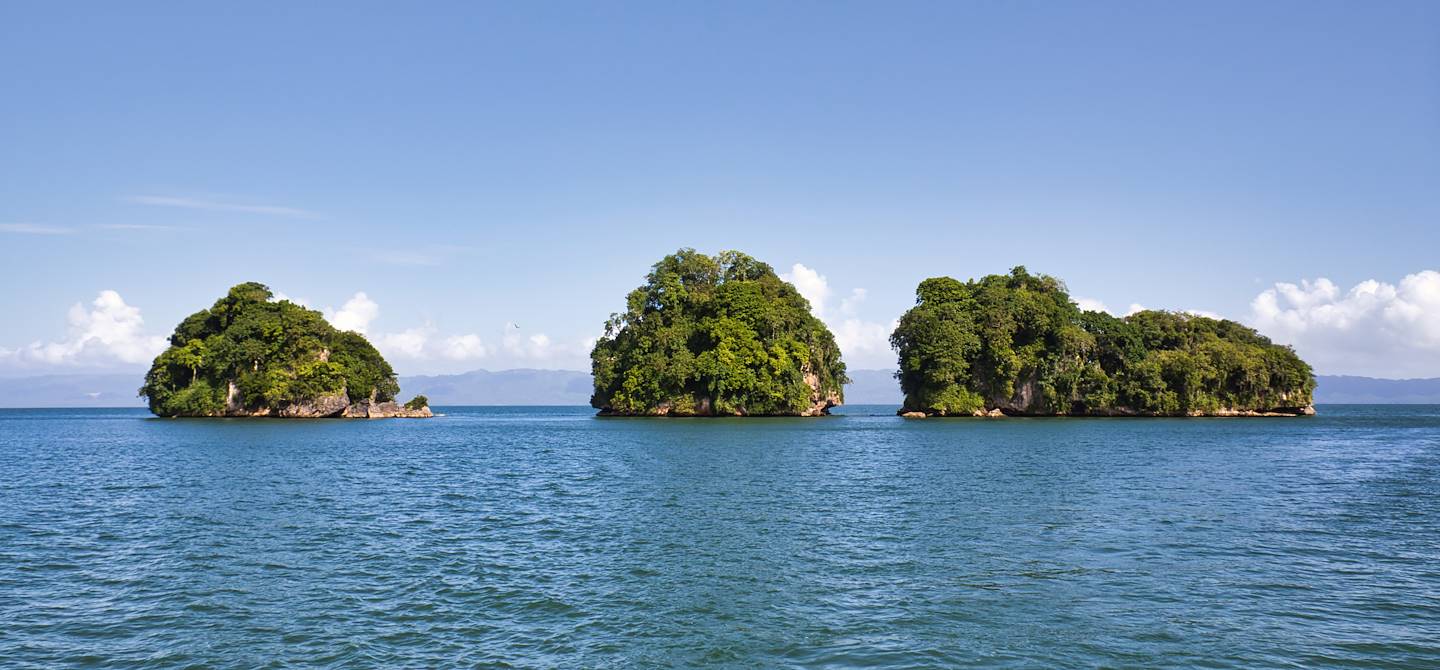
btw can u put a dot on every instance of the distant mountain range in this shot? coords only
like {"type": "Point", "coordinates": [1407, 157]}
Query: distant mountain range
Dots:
{"type": "Point", "coordinates": [504, 387]}
{"type": "Point", "coordinates": [572, 387]}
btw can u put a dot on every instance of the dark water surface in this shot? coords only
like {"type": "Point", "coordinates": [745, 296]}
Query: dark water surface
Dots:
{"type": "Point", "coordinates": [535, 537]}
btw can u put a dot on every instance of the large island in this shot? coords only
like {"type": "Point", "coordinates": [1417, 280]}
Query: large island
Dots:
{"type": "Point", "coordinates": [716, 336]}
{"type": "Point", "coordinates": [1016, 345]}
{"type": "Point", "coordinates": [250, 355]}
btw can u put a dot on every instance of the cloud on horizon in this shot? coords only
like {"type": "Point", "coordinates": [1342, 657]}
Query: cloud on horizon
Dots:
{"type": "Point", "coordinates": [862, 343]}
{"type": "Point", "coordinates": [1373, 329]}
{"type": "Point", "coordinates": [425, 344]}
{"type": "Point", "coordinates": [109, 334]}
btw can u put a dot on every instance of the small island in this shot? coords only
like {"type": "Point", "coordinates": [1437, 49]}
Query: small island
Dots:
{"type": "Point", "coordinates": [716, 336]}
{"type": "Point", "coordinates": [1016, 345]}
{"type": "Point", "coordinates": [251, 356]}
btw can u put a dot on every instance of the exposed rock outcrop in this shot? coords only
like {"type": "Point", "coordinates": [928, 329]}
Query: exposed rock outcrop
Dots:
{"type": "Point", "coordinates": [371, 409]}
{"type": "Point", "coordinates": [324, 407]}
{"type": "Point", "coordinates": [820, 403]}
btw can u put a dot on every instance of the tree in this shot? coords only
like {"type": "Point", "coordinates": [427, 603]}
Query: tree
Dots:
{"type": "Point", "coordinates": [1016, 342]}
{"type": "Point", "coordinates": [715, 335]}
{"type": "Point", "coordinates": [273, 352]}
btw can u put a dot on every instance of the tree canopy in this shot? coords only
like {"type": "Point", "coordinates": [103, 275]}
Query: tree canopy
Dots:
{"type": "Point", "coordinates": [1018, 343]}
{"type": "Point", "coordinates": [275, 353]}
{"type": "Point", "coordinates": [715, 335]}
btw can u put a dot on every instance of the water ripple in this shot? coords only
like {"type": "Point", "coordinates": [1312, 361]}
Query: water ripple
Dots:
{"type": "Point", "coordinates": [548, 538]}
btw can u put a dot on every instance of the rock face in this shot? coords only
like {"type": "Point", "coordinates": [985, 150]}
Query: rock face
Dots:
{"type": "Point", "coordinates": [323, 406]}
{"type": "Point", "coordinates": [820, 403]}
{"type": "Point", "coordinates": [336, 406]}
{"type": "Point", "coordinates": [370, 409]}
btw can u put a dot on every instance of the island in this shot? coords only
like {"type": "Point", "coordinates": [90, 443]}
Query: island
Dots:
{"type": "Point", "coordinates": [716, 336]}
{"type": "Point", "coordinates": [1016, 345]}
{"type": "Point", "coordinates": [250, 355]}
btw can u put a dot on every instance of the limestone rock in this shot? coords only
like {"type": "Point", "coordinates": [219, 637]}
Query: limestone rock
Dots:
{"type": "Point", "coordinates": [328, 406]}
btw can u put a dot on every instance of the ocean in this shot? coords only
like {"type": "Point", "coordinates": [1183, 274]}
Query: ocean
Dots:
{"type": "Point", "coordinates": [549, 538]}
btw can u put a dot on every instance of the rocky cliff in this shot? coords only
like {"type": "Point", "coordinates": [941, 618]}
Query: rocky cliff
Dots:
{"type": "Point", "coordinates": [330, 406]}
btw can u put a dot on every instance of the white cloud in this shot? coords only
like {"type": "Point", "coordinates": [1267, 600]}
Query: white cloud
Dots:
{"type": "Point", "coordinates": [810, 284]}
{"type": "Point", "coordinates": [419, 343]}
{"type": "Point", "coordinates": [464, 348]}
{"type": "Point", "coordinates": [34, 229]}
{"type": "Point", "coordinates": [109, 333]}
{"type": "Point", "coordinates": [536, 346]}
{"type": "Point", "coordinates": [1375, 328]}
{"type": "Point", "coordinates": [863, 343]}
{"type": "Point", "coordinates": [222, 206]}
{"type": "Point", "coordinates": [299, 301]}
{"type": "Point", "coordinates": [1093, 305]}
{"type": "Point", "coordinates": [864, 340]}
{"type": "Point", "coordinates": [425, 344]}
{"type": "Point", "coordinates": [850, 304]}
{"type": "Point", "coordinates": [356, 314]}
{"type": "Point", "coordinates": [409, 343]}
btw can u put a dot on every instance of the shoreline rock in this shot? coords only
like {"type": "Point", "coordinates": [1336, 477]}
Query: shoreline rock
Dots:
{"type": "Point", "coordinates": [1123, 412]}
{"type": "Point", "coordinates": [336, 406]}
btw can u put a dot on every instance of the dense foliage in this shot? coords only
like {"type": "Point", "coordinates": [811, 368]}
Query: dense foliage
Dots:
{"type": "Point", "coordinates": [1017, 343]}
{"type": "Point", "coordinates": [721, 335]}
{"type": "Point", "coordinates": [276, 353]}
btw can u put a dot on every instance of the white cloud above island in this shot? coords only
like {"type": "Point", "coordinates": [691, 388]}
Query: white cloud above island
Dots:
{"type": "Point", "coordinates": [1375, 328]}
{"type": "Point", "coordinates": [864, 344]}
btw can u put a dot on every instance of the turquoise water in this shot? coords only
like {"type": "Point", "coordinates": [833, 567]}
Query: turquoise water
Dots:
{"type": "Point", "coordinates": [544, 537]}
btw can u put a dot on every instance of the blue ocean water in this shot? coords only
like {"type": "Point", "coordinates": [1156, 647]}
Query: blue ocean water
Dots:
{"type": "Point", "coordinates": [546, 537]}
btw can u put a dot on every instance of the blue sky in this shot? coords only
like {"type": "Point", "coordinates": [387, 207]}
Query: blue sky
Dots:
{"type": "Point", "coordinates": [468, 166]}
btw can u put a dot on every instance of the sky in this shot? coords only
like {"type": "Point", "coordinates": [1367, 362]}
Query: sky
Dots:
{"type": "Point", "coordinates": [477, 185]}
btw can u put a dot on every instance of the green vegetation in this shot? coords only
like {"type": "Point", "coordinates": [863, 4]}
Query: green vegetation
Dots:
{"type": "Point", "coordinates": [716, 336]}
{"type": "Point", "coordinates": [1018, 344]}
{"type": "Point", "coordinates": [276, 354]}
{"type": "Point", "coordinates": [418, 402]}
